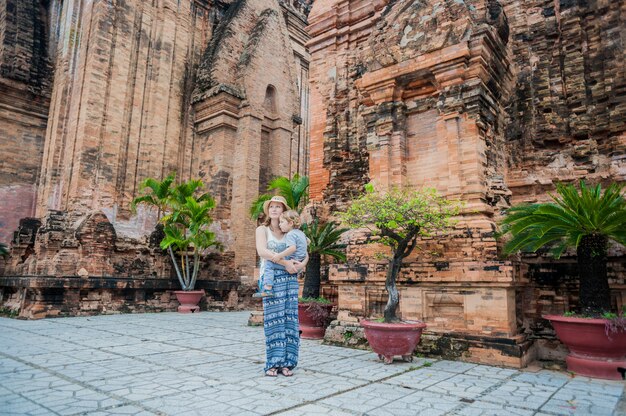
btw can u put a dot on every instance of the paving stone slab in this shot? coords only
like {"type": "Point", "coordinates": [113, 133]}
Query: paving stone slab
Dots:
{"type": "Point", "coordinates": [143, 348]}
{"type": "Point", "coordinates": [253, 351]}
{"type": "Point", "coordinates": [481, 408]}
{"type": "Point", "coordinates": [106, 368]}
{"type": "Point", "coordinates": [304, 384]}
{"type": "Point", "coordinates": [203, 342]}
{"type": "Point", "coordinates": [602, 387]}
{"type": "Point", "coordinates": [421, 378]}
{"type": "Point", "coordinates": [417, 403]}
{"type": "Point", "coordinates": [318, 347]}
{"type": "Point", "coordinates": [367, 398]}
{"type": "Point", "coordinates": [543, 378]}
{"type": "Point", "coordinates": [53, 359]}
{"type": "Point", "coordinates": [135, 387]}
{"type": "Point", "coordinates": [71, 399]}
{"type": "Point", "coordinates": [491, 372]}
{"type": "Point", "coordinates": [463, 385]}
{"type": "Point", "coordinates": [318, 410]}
{"type": "Point", "coordinates": [212, 363]}
{"type": "Point", "coordinates": [31, 380]}
{"type": "Point", "coordinates": [366, 367]}
{"type": "Point", "coordinates": [166, 336]}
{"type": "Point", "coordinates": [109, 341]}
{"type": "Point", "coordinates": [122, 411]}
{"type": "Point", "coordinates": [523, 395]}
{"type": "Point", "coordinates": [18, 405]}
{"type": "Point", "coordinates": [200, 402]}
{"type": "Point", "coordinates": [453, 366]}
{"type": "Point", "coordinates": [8, 365]}
{"type": "Point", "coordinates": [229, 370]}
{"type": "Point", "coordinates": [579, 402]}
{"type": "Point", "coordinates": [183, 358]}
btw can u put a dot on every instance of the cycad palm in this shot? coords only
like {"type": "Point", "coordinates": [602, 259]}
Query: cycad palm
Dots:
{"type": "Point", "coordinates": [323, 241]}
{"type": "Point", "coordinates": [584, 220]}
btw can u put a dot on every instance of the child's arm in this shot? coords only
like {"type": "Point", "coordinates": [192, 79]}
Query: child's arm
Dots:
{"type": "Point", "coordinates": [289, 250]}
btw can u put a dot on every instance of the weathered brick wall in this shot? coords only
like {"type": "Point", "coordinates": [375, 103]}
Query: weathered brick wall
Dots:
{"type": "Point", "coordinates": [247, 113]}
{"type": "Point", "coordinates": [413, 94]}
{"type": "Point", "coordinates": [567, 117]}
{"type": "Point", "coordinates": [566, 122]}
{"type": "Point", "coordinates": [538, 97]}
{"type": "Point", "coordinates": [118, 114]}
{"type": "Point", "coordinates": [121, 109]}
{"type": "Point", "coordinates": [25, 78]}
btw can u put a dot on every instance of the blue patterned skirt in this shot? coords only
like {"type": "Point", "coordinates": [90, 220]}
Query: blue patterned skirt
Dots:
{"type": "Point", "coordinates": [280, 322]}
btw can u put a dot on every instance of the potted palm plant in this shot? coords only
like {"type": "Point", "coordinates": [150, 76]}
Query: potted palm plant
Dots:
{"type": "Point", "coordinates": [399, 218]}
{"type": "Point", "coordinates": [314, 310]}
{"type": "Point", "coordinates": [585, 220]}
{"type": "Point", "coordinates": [185, 215]}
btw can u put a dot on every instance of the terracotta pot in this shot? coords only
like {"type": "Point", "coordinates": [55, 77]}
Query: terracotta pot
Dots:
{"type": "Point", "coordinates": [388, 340]}
{"type": "Point", "coordinates": [189, 300]}
{"type": "Point", "coordinates": [592, 352]}
{"type": "Point", "coordinates": [312, 326]}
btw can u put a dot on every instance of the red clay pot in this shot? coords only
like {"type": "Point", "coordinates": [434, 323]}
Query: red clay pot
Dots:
{"type": "Point", "coordinates": [592, 352]}
{"type": "Point", "coordinates": [313, 327]}
{"type": "Point", "coordinates": [388, 340]}
{"type": "Point", "coordinates": [189, 300]}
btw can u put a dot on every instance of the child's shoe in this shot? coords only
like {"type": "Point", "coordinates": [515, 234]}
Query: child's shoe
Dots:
{"type": "Point", "coordinates": [263, 294]}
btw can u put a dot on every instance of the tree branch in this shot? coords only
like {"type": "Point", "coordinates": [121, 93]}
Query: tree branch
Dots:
{"type": "Point", "coordinates": [389, 233]}
{"type": "Point", "coordinates": [411, 246]}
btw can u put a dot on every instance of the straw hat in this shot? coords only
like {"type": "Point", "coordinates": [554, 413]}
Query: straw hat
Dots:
{"type": "Point", "coordinates": [275, 198]}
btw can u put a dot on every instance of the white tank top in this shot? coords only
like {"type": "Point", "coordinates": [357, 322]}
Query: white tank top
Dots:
{"type": "Point", "coordinates": [273, 244]}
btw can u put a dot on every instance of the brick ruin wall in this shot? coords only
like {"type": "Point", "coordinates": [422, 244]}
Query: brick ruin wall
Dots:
{"type": "Point", "coordinates": [25, 87]}
{"type": "Point", "coordinates": [110, 70]}
{"type": "Point", "coordinates": [97, 96]}
{"type": "Point", "coordinates": [566, 121]}
{"type": "Point", "coordinates": [551, 109]}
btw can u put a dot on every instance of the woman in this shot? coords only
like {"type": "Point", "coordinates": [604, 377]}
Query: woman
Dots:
{"type": "Point", "coordinates": [280, 312]}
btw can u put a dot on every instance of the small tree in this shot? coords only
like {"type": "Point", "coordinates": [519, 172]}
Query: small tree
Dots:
{"type": "Point", "coordinates": [4, 250]}
{"type": "Point", "coordinates": [323, 242]}
{"type": "Point", "coordinates": [186, 220]}
{"type": "Point", "coordinates": [585, 221]}
{"type": "Point", "coordinates": [399, 217]}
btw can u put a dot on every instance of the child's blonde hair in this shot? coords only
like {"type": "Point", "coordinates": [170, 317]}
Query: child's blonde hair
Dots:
{"type": "Point", "coordinates": [292, 217]}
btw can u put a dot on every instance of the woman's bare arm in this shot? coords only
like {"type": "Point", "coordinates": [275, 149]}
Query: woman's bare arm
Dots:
{"type": "Point", "coordinates": [261, 244]}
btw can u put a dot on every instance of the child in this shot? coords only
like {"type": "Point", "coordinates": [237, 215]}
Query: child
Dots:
{"type": "Point", "coordinates": [296, 250]}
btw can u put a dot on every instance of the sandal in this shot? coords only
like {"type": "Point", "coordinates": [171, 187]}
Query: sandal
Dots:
{"type": "Point", "coordinates": [272, 372]}
{"type": "Point", "coordinates": [286, 372]}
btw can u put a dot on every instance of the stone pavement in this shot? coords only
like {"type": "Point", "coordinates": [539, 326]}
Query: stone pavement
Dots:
{"type": "Point", "coordinates": [211, 363]}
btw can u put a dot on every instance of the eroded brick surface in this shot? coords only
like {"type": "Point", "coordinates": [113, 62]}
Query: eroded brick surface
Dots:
{"type": "Point", "coordinates": [488, 101]}
{"type": "Point", "coordinates": [101, 95]}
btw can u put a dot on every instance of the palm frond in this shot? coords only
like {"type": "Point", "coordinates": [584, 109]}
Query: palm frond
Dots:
{"type": "Point", "coordinates": [256, 208]}
{"type": "Point", "coordinates": [294, 190]}
{"type": "Point", "coordinates": [324, 238]}
{"type": "Point", "coordinates": [565, 221]}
